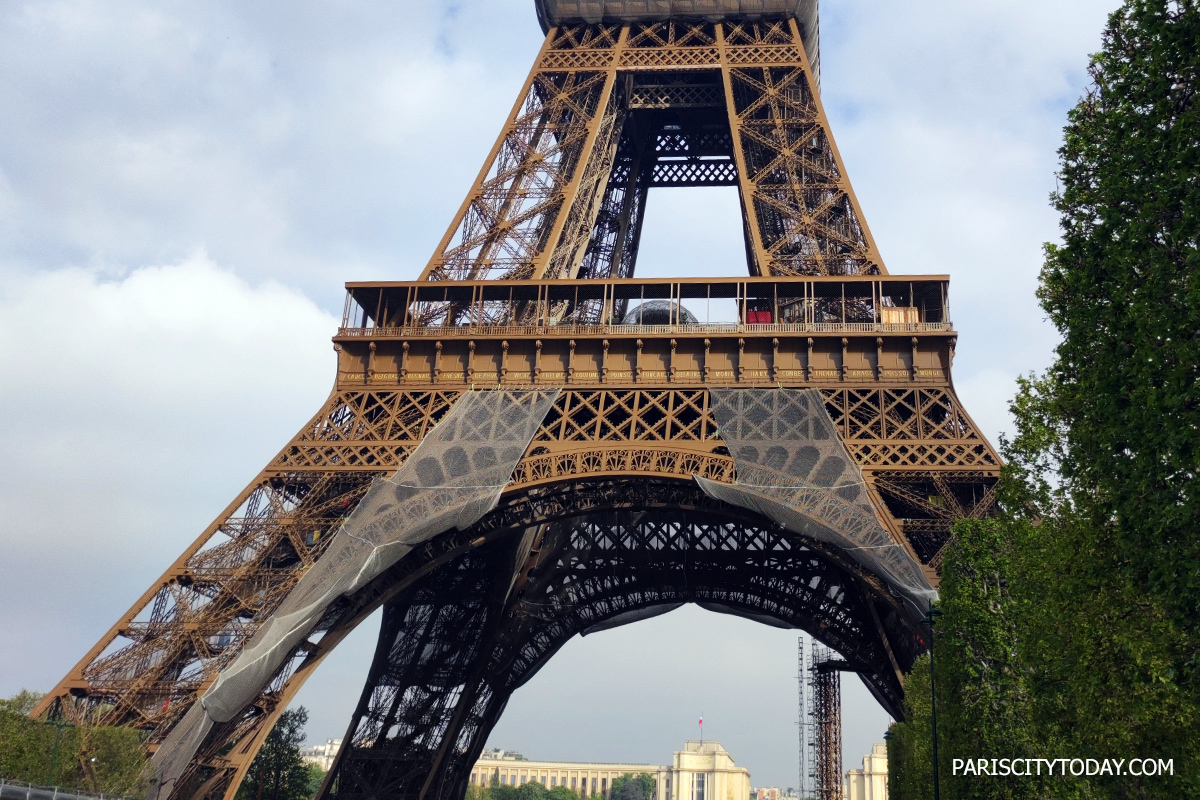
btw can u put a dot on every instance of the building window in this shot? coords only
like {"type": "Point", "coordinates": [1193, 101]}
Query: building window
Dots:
{"type": "Point", "coordinates": [698, 787]}
{"type": "Point", "coordinates": [573, 783]}
{"type": "Point", "coordinates": [554, 781]}
{"type": "Point", "coordinates": [604, 786]}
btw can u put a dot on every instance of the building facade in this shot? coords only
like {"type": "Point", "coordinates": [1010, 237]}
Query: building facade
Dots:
{"type": "Point", "coordinates": [504, 769]}
{"type": "Point", "coordinates": [870, 782]}
{"type": "Point", "coordinates": [705, 771]}
{"type": "Point", "coordinates": [700, 771]}
{"type": "Point", "coordinates": [773, 793]}
{"type": "Point", "coordinates": [321, 754]}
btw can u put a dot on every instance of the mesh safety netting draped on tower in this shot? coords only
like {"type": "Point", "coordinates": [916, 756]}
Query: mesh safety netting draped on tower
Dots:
{"type": "Point", "coordinates": [793, 468]}
{"type": "Point", "coordinates": [454, 477]}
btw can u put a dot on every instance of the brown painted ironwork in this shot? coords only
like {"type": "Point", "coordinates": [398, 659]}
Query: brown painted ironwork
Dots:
{"type": "Point", "coordinates": [531, 286]}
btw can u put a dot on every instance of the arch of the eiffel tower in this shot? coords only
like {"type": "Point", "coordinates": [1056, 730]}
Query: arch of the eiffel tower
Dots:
{"type": "Point", "coordinates": [530, 443]}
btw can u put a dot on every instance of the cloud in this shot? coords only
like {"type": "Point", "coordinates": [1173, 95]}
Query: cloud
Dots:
{"type": "Point", "coordinates": [137, 408]}
{"type": "Point", "coordinates": [330, 141]}
{"type": "Point", "coordinates": [948, 116]}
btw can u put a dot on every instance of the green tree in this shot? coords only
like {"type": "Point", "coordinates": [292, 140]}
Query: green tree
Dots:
{"type": "Point", "coordinates": [1105, 461]}
{"type": "Point", "coordinates": [531, 790]}
{"type": "Point", "coordinates": [909, 743]}
{"type": "Point", "coordinates": [633, 787]}
{"type": "Point", "coordinates": [499, 791]}
{"type": "Point", "coordinates": [316, 776]}
{"type": "Point", "coordinates": [23, 702]}
{"type": "Point", "coordinates": [983, 695]}
{"type": "Point", "coordinates": [1089, 647]}
{"type": "Point", "coordinates": [97, 759]}
{"type": "Point", "coordinates": [1123, 290]}
{"type": "Point", "coordinates": [278, 772]}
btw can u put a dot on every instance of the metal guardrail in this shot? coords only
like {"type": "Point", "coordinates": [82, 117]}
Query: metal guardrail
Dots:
{"type": "Point", "coordinates": [18, 790]}
{"type": "Point", "coordinates": [650, 330]}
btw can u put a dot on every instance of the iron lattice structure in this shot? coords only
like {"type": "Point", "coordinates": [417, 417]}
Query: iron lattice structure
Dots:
{"type": "Point", "coordinates": [825, 686]}
{"type": "Point", "coordinates": [802, 722]}
{"type": "Point", "coordinates": [602, 520]}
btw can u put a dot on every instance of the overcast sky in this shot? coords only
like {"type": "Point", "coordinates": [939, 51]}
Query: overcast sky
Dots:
{"type": "Point", "coordinates": [184, 188]}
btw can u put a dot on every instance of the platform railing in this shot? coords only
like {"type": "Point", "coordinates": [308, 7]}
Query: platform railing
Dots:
{"type": "Point", "coordinates": [646, 330]}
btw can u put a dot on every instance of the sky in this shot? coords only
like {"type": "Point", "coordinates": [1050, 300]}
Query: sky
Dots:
{"type": "Point", "coordinates": [185, 187]}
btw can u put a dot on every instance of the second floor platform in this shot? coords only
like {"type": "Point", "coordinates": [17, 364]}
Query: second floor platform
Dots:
{"type": "Point", "coordinates": [766, 330]}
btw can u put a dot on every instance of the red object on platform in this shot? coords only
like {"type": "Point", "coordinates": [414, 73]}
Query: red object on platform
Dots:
{"type": "Point", "coordinates": [758, 317]}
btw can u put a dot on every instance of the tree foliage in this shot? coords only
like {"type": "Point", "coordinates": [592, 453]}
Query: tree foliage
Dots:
{"type": "Point", "coordinates": [23, 702]}
{"type": "Point", "coordinates": [983, 695]}
{"type": "Point", "coordinates": [316, 777]}
{"type": "Point", "coordinates": [910, 743]}
{"type": "Point", "coordinates": [1108, 445]}
{"type": "Point", "coordinates": [633, 787]}
{"type": "Point", "coordinates": [1123, 289]}
{"type": "Point", "coordinates": [1070, 624]}
{"type": "Point", "coordinates": [278, 772]}
{"type": "Point", "coordinates": [95, 759]}
{"type": "Point", "coordinates": [624, 787]}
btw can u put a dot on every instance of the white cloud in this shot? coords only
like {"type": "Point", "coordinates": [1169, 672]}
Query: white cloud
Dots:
{"type": "Point", "coordinates": [136, 409]}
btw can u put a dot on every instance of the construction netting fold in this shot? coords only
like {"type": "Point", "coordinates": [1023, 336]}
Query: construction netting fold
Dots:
{"type": "Point", "coordinates": [453, 478]}
{"type": "Point", "coordinates": [793, 468]}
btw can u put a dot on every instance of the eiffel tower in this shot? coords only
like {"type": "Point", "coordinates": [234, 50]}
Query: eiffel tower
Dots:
{"type": "Point", "coordinates": [529, 442]}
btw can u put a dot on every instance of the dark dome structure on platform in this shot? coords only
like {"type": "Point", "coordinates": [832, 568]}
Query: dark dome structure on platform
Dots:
{"type": "Point", "coordinates": [659, 312]}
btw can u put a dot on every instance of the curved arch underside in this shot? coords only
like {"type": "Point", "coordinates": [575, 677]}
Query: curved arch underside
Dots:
{"type": "Point", "coordinates": [573, 558]}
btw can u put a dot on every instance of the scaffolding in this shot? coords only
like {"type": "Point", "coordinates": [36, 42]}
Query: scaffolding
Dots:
{"type": "Point", "coordinates": [825, 723]}
{"type": "Point", "coordinates": [802, 722]}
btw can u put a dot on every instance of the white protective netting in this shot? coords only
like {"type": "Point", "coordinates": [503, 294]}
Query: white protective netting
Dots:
{"type": "Point", "coordinates": [453, 478]}
{"type": "Point", "coordinates": [793, 468]}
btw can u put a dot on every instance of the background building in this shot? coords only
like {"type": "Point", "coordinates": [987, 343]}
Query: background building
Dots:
{"type": "Point", "coordinates": [700, 771]}
{"type": "Point", "coordinates": [870, 782]}
{"type": "Point", "coordinates": [705, 771]}
{"type": "Point", "coordinates": [509, 769]}
{"type": "Point", "coordinates": [321, 754]}
{"type": "Point", "coordinates": [773, 793]}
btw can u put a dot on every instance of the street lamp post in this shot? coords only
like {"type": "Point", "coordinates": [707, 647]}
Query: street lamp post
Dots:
{"type": "Point", "coordinates": [930, 616]}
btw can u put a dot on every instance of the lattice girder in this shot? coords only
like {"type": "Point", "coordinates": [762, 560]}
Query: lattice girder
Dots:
{"type": "Point", "coordinates": [607, 113]}
{"type": "Point", "coordinates": [542, 205]}
{"type": "Point", "coordinates": [580, 572]}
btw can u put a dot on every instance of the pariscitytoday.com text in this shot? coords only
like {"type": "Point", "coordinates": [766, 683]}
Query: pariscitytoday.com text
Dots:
{"type": "Point", "coordinates": [1075, 767]}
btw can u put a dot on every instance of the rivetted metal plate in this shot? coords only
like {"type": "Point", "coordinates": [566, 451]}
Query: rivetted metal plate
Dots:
{"type": "Point", "coordinates": [555, 12]}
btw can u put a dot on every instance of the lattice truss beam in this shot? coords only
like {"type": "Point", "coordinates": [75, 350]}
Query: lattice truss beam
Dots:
{"type": "Point", "coordinates": [916, 444]}
{"type": "Point", "coordinates": [455, 646]}
{"type": "Point", "coordinates": [601, 517]}
{"type": "Point", "coordinates": [609, 112]}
